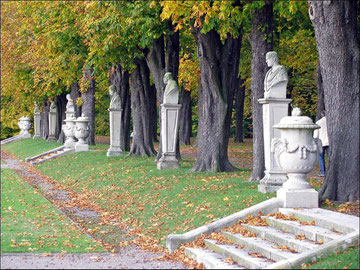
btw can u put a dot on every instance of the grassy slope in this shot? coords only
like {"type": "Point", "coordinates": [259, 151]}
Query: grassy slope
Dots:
{"type": "Point", "coordinates": [132, 190]}
{"type": "Point", "coordinates": [29, 223]}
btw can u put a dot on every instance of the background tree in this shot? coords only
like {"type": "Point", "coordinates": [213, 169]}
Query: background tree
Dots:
{"type": "Point", "coordinates": [337, 40]}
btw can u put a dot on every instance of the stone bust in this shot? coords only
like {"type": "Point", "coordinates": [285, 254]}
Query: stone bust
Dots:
{"type": "Point", "coordinates": [171, 94]}
{"type": "Point", "coordinates": [36, 109]}
{"type": "Point", "coordinates": [276, 78]}
{"type": "Point", "coordinates": [53, 107]}
{"type": "Point", "coordinates": [115, 100]}
{"type": "Point", "coordinates": [70, 104]}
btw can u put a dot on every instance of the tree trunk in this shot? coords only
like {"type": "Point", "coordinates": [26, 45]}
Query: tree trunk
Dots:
{"type": "Point", "coordinates": [260, 45]}
{"type": "Point", "coordinates": [142, 144]}
{"type": "Point", "coordinates": [88, 107]}
{"type": "Point", "coordinates": [61, 108]}
{"type": "Point", "coordinates": [153, 113]}
{"type": "Point", "coordinates": [120, 79]}
{"type": "Point", "coordinates": [219, 65]}
{"type": "Point", "coordinates": [239, 110]}
{"type": "Point", "coordinates": [75, 93]}
{"type": "Point", "coordinates": [185, 117]}
{"type": "Point", "coordinates": [45, 120]}
{"type": "Point", "coordinates": [337, 40]}
{"type": "Point", "coordinates": [320, 88]}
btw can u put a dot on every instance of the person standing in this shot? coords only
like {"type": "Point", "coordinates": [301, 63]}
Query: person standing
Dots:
{"type": "Point", "coordinates": [322, 134]}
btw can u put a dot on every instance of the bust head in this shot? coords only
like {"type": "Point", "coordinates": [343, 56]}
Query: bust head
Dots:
{"type": "Point", "coordinates": [167, 77]}
{"type": "Point", "coordinates": [111, 89]}
{"type": "Point", "coordinates": [272, 59]}
{"type": "Point", "coordinates": [68, 97]}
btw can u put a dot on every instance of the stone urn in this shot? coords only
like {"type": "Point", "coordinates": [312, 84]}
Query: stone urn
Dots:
{"type": "Point", "coordinates": [81, 133]}
{"type": "Point", "coordinates": [296, 153]}
{"type": "Point", "coordinates": [25, 124]}
{"type": "Point", "coordinates": [69, 131]}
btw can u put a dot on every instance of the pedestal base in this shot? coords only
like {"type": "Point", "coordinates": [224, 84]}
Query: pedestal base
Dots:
{"type": "Point", "coordinates": [299, 198]}
{"type": "Point", "coordinates": [114, 152]}
{"type": "Point", "coordinates": [81, 147]}
{"type": "Point", "coordinates": [36, 137]}
{"type": "Point", "coordinates": [26, 135]}
{"type": "Point", "coordinates": [69, 144]}
{"type": "Point", "coordinates": [168, 162]}
{"type": "Point", "coordinates": [272, 182]}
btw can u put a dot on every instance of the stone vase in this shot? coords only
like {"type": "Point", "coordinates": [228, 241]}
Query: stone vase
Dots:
{"type": "Point", "coordinates": [25, 124]}
{"type": "Point", "coordinates": [296, 153]}
{"type": "Point", "coordinates": [69, 131]}
{"type": "Point", "coordinates": [169, 133]}
{"type": "Point", "coordinates": [115, 132]}
{"type": "Point", "coordinates": [81, 133]}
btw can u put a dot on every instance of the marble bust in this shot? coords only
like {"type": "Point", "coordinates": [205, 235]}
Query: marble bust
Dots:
{"type": "Point", "coordinates": [53, 108]}
{"type": "Point", "coordinates": [36, 109]}
{"type": "Point", "coordinates": [70, 104]}
{"type": "Point", "coordinates": [276, 78]}
{"type": "Point", "coordinates": [115, 100]}
{"type": "Point", "coordinates": [171, 94]}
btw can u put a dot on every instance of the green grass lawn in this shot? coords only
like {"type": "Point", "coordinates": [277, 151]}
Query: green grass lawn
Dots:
{"type": "Point", "coordinates": [30, 223]}
{"type": "Point", "coordinates": [131, 191]}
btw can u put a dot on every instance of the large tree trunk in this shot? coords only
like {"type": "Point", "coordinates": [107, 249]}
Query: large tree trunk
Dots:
{"type": "Point", "coordinates": [337, 40]}
{"type": "Point", "coordinates": [120, 79]}
{"type": "Point", "coordinates": [185, 117]}
{"type": "Point", "coordinates": [219, 69]}
{"type": "Point", "coordinates": [153, 113]}
{"type": "Point", "coordinates": [239, 110]}
{"type": "Point", "coordinates": [88, 107]}
{"type": "Point", "coordinates": [261, 42]}
{"type": "Point", "coordinates": [320, 88]}
{"type": "Point", "coordinates": [61, 108]}
{"type": "Point", "coordinates": [75, 93]}
{"type": "Point", "coordinates": [45, 120]}
{"type": "Point", "coordinates": [142, 144]}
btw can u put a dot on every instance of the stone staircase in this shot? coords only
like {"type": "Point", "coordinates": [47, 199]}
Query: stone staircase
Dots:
{"type": "Point", "coordinates": [54, 153]}
{"type": "Point", "coordinates": [286, 240]}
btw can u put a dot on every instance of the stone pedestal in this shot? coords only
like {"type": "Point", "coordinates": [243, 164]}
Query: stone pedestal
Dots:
{"type": "Point", "coordinates": [115, 133]}
{"type": "Point", "coordinates": [299, 198]}
{"type": "Point", "coordinates": [52, 126]}
{"type": "Point", "coordinates": [37, 127]}
{"type": "Point", "coordinates": [273, 110]}
{"type": "Point", "coordinates": [169, 133]}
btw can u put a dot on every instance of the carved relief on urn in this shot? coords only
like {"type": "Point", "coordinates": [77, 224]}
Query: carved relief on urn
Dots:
{"type": "Point", "coordinates": [69, 131]}
{"type": "Point", "coordinates": [296, 151]}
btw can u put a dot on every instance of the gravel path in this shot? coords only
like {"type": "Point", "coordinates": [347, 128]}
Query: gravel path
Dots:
{"type": "Point", "coordinates": [130, 257]}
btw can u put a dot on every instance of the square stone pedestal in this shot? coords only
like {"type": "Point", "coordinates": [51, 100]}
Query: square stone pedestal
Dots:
{"type": "Point", "coordinates": [168, 162]}
{"type": "Point", "coordinates": [114, 151]}
{"type": "Point", "coordinates": [81, 147]}
{"type": "Point", "coordinates": [299, 198]}
{"type": "Point", "coordinates": [115, 133]}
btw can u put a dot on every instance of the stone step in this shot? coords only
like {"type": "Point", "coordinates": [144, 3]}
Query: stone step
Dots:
{"type": "Point", "coordinates": [314, 233]}
{"type": "Point", "coordinates": [264, 247]}
{"type": "Point", "coordinates": [330, 220]}
{"type": "Point", "coordinates": [281, 238]}
{"type": "Point", "coordinates": [211, 260]}
{"type": "Point", "coordinates": [241, 256]}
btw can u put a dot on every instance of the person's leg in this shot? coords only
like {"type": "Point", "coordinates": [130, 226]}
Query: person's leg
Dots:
{"type": "Point", "coordinates": [322, 162]}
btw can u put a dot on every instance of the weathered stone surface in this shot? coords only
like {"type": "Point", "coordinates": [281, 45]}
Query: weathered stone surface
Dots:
{"type": "Point", "coordinates": [81, 133]}
{"type": "Point", "coordinates": [52, 122]}
{"type": "Point", "coordinates": [115, 132]}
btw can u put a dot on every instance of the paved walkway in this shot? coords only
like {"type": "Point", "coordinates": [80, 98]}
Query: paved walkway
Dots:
{"type": "Point", "coordinates": [130, 257]}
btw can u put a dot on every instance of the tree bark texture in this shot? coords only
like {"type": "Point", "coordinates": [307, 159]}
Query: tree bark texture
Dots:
{"type": "Point", "coordinates": [239, 110]}
{"type": "Point", "coordinates": [45, 120]}
{"type": "Point", "coordinates": [120, 79]}
{"type": "Point", "coordinates": [153, 113]}
{"type": "Point", "coordinates": [320, 88]}
{"type": "Point", "coordinates": [88, 107]}
{"type": "Point", "coordinates": [185, 119]}
{"type": "Point", "coordinates": [61, 108]}
{"type": "Point", "coordinates": [142, 144]}
{"type": "Point", "coordinates": [263, 19]}
{"type": "Point", "coordinates": [219, 69]}
{"type": "Point", "coordinates": [337, 40]}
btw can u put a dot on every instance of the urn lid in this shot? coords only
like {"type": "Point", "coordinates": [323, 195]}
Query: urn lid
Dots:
{"type": "Point", "coordinates": [82, 118]}
{"type": "Point", "coordinates": [25, 118]}
{"type": "Point", "coordinates": [296, 121]}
